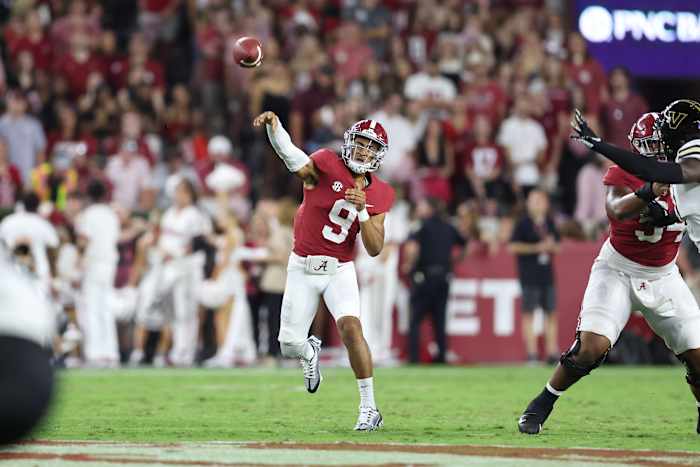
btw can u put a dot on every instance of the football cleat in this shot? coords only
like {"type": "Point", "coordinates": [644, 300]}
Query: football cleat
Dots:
{"type": "Point", "coordinates": [531, 421]}
{"type": "Point", "coordinates": [369, 419]}
{"type": "Point", "coordinates": [312, 369]}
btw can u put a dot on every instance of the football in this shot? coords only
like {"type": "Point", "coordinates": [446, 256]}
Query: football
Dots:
{"type": "Point", "coordinates": [247, 52]}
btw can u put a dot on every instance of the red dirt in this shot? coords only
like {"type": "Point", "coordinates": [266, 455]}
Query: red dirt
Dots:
{"type": "Point", "coordinates": [646, 458]}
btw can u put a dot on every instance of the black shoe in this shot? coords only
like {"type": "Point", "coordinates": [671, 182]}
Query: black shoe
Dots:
{"type": "Point", "coordinates": [533, 418]}
{"type": "Point", "coordinates": [697, 428]}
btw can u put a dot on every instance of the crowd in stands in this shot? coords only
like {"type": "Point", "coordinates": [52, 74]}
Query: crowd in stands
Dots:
{"type": "Point", "coordinates": [144, 97]}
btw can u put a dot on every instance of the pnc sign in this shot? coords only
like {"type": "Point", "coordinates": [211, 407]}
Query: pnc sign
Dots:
{"type": "Point", "coordinates": [652, 38]}
{"type": "Point", "coordinates": [599, 24]}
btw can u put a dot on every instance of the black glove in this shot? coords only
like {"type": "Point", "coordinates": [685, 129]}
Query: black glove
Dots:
{"type": "Point", "coordinates": [582, 132]}
{"type": "Point", "coordinates": [658, 216]}
{"type": "Point", "coordinates": [646, 192]}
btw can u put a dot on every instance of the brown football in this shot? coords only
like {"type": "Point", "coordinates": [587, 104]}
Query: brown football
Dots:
{"type": "Point", "coordinates": [247, 52]}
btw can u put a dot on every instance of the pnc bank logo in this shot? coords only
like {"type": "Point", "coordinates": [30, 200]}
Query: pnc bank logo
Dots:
{"type": "Point", "coordinates": [598, 24]}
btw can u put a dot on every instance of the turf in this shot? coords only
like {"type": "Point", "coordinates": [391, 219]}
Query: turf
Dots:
{"type": "Point", "coordinates": [616, 407]}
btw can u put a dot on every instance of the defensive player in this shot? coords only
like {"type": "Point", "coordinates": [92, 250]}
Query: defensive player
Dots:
{"type": "Point", "coordinates": [635, 270]}
{"type": "Point", "coordinates": [679, 134]}
{"type": "Point", "coordinates": [341, 198]}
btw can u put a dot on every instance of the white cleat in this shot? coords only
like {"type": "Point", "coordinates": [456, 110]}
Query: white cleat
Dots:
{"type": "Point", "coordinates": [312, 369]}
{"type": "Point", "coordinates": [369, 419]}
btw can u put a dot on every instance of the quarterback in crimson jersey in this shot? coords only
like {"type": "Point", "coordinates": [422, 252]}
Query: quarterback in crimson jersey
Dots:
{"type": "Point", "coordinates": [342, 197]}
{"type": "Point", "coordinates": [635, 270]}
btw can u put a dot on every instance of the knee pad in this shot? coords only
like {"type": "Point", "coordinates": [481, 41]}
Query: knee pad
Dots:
{"type": "Point", "coordinates": [292, 349]}
{"type": "Point", "coordinates": [572, 366]}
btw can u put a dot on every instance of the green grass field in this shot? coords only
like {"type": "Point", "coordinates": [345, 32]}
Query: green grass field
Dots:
{"type": "Point", "coordinates": [615, 407]}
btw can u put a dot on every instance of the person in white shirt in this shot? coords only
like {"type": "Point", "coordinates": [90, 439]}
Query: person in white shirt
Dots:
{"type": "Point", "coordinates": [525, 142]}
{"type": "Point", "coordinates": [180, 224]}
{"type": "Point", "coordinates": [98, 234]}
{"type": "Point", "coordinates": [130, 175]}
{"type": "Point", "coordinates": [26, 226]}
{"type": "Point", "coordinates": [430, 88]}
{"type": "Point", "coordinates": [398, 163]}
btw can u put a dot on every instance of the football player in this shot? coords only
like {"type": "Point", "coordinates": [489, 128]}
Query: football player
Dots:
{"type": "Point", "coordinates": [635, 270]}
{"type": "Point", "coordinates": [27, 326]}
{"type": "Point", "coordinates": [342, 197]}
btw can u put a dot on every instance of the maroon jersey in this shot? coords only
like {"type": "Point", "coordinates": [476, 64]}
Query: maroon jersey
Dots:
{"type": "Point", "coordinates": [325, 223]}
{"type": "Point", "coordinates": [641, 243]}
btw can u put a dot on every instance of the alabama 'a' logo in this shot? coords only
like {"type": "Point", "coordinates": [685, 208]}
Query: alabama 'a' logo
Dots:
{"type": "Point", "coordinates": [675, 118]}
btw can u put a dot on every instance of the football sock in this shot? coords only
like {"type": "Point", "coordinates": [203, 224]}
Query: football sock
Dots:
{"type": "Point", "coordinates": [366, 387]}
{"type": "Point", "coordinates": [547, 396]}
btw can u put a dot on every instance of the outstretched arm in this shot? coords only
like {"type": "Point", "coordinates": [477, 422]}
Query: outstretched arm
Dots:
{"type": "Point", "coordinates": [646, 168]}
{"type": "Point", "coordinates": [294, 158]}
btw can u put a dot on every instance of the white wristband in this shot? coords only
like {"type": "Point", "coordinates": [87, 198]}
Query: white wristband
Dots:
{"type": "Point", "coordinates": [363, 215]}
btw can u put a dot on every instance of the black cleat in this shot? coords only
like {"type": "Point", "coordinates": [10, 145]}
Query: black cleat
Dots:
{"type": "Point", "coordinates": [531, 421]}
{"type": "Point", "coordinates": [697, 427]}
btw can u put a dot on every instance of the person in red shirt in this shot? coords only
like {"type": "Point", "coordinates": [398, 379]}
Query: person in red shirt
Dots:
{"type": "Point", "coordinates": [484, 166]}
{"type": "Point", "coordinates": [636, 269]}
{"type": "Point", "coordinates": [342, 198]}
{"type": "Point", "coordinates": [351, 53]}
{"type": "Point", "coordinates": [620, 111]}
{"type": "Point", "coordinates": [586, 72]}
{"type": "Point", "coordinates": [78, 64]}
{"type": "Point", "coordinates": [35, 41]}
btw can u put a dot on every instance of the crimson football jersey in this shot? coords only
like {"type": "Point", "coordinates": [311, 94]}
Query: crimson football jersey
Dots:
{"type": "Point", "coordinates": [642, 243]}
{"type": "Point", "coordinates": [325, 223]}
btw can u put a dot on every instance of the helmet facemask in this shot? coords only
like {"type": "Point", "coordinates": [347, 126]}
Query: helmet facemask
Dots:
{"type": "Point", "coordinates": [362, 153]}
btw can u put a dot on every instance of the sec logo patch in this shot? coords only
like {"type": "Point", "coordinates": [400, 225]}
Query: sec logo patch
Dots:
{"type": "Point", "coordinates": [337, 186]}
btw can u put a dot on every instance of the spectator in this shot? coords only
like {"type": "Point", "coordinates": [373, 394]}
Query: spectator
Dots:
{"type": "Point", "coordinates": [428, 257]}
{"type": "Point", "coordinates": [23, 134]}
{"type": "Point", "coordinates": [350, 53]}
{"type": "Point", "coordinates": [68, 141]}
{"type": "Point", "coordinates": [398, 164]}
{"type": "Point", "coordinates": [434, 160]}
{"type": "Point", "coordinates": [525, 143]}
{"type": "Point", "coordinates": [534, 241]}
{"type": "Point", "coordinates": [78, 21]}
{"type": "Point", "coordinates": [590, 197]}
{"type": "Point", "coordinates": [622, 110]}
{"type": "Point", "coordinates": [429, 88]}
{"type": "Point", "coordinates": [10, 180]}
{"type": "Point", "coordinates": [307, 102]}
{"type": "Point", "coordinates": [588, 74]}
{"type": "Point", "coordinates": [79, 64]}
{"type": "Point", "coordinates": [130, 176]}
{"type": "Point", "coordinates": [375, 21]}
{"type": "Point", "coordinates": [485, 168]}
{"type": "Point", "coordinates": [35, 41]}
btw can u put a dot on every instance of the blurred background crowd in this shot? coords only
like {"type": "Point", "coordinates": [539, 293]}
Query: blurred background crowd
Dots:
{"type": "Point", "coordinates": [138, 106]}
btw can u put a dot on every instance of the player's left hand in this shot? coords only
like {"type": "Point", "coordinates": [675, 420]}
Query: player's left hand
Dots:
{"type": "Point", "coordinates": [356, 196]}
{"type": "Point", "coordinates": [582, 132]}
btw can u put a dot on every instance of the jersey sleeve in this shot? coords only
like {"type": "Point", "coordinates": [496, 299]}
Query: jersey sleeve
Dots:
{"type": "Point", "coordinates": [384, 202]}
{"type": "Point", "coordinates": [616, 176]}
{"type": "Point", "coordinates": [324, 159]}
{"type": "Point", "coordinates": [690, 150]}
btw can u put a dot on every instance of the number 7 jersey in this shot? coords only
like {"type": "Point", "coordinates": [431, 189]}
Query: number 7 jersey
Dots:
{"type": "Point", "coordinates": [325, 223]}
{"type": "Point", "coordinates": [644, 244]}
